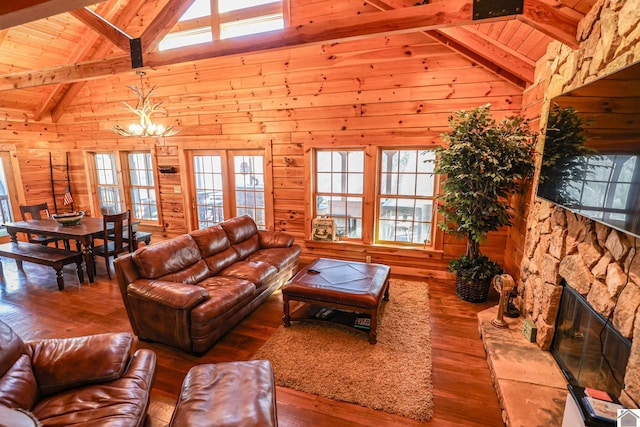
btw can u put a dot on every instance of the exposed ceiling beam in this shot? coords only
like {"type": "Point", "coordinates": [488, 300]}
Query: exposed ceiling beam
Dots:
{"type": "Point", "coordinates": [409, 19]}
{"type": "Point", "coordinates": [162, 24]}
{"type": "Point", "coordinates": [493, 52]}
{"type": "Point", "coordinates": [554, 19]}
{"type": "Point", "coordinates": [103, 27]}
{"type": "Point", "coordinates": [18, 12]}
{"type": "Point", "coordinates": [480, 59]}
{"type": "Point", "coordinates": [491, 56]}
{"type": "Point", "coordinates": [72, 90]}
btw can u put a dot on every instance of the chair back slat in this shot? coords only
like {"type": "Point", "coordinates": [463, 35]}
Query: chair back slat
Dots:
{"type": "Point", "coordinates": [38, 211]}
{"type": "Point", "coordinates": [116, 227]}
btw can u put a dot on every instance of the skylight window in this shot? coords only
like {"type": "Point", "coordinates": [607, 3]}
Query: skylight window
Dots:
{"type": "Point", "coordinates": [233, 18]}
{"type": "Point", "coordinates": [198, 9]}
{"type": "Point", "coordinates": [186, 38]}
{"type": "Point", "coordinates": [231, 5]}
{"type": "Point", "coordinates": [260, 24]}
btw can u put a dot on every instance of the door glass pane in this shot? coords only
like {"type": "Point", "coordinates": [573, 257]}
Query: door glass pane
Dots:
{"type": "Point", "coordinates": [209, 190]}
{"type": "Point", "coordinates": [249, 180]}
{"type": "Point", "coordinates": [6, 214]}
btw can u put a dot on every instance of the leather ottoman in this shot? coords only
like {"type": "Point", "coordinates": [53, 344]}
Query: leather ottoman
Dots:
{"type": "Point", "coordinates": [232, 394]}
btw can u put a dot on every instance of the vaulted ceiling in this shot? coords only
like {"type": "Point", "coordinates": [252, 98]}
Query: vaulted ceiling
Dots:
{"type": "Point", "coordinates": [48, 48]}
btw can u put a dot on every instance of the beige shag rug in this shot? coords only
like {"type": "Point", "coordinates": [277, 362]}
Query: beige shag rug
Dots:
{"type": "Point", "coordinates": [393, 375]}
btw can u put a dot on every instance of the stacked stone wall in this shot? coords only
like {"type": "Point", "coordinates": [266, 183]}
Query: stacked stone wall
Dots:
{"type": "Point", "coordinates": [597, 261]}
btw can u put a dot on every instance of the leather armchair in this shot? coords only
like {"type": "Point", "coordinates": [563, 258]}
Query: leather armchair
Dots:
{"type": "Point", "coordinates": [86, 380]}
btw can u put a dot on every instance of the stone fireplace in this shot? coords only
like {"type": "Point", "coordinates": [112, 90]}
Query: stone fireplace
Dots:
{"type": "Point", "coordinates": [600, 263]}
{"type": "Point", "coordinates": [594, 260]}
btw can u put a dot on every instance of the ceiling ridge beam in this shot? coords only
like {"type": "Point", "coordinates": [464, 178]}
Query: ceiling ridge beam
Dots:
{"type": "Point", "coordinates": [398, 21]}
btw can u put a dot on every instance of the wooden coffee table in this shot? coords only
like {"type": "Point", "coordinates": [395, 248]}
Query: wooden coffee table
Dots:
{"type": "Point", "coordinates": [344, 285]}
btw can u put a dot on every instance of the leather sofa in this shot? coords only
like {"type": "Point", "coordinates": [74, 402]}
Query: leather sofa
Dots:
{"type": "Point", "coordinates": [188, 291]}
{"type": "Point", "coordinates": [90, 380]}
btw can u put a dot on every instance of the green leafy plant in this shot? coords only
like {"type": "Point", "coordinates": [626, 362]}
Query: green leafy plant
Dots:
{"type": "Point", "coordinates": [485, 163]}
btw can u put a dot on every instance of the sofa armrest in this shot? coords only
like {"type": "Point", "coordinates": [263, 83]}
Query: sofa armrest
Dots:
{"type": "Point", "coordinates": [175, 295]}
{"type": "Point", "coordinates": [65, 363]}
{"type": "Point", "coordinates": [274, 239]}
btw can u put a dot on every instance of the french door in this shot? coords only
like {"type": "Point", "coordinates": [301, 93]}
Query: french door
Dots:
{"type": "Point", "coordinates": [229, 183]}
{"type": "Point", "coordinates": [9, 206]}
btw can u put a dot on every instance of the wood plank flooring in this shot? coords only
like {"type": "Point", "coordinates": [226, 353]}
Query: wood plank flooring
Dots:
{"type": "Point", "coordinates": [463, 395]}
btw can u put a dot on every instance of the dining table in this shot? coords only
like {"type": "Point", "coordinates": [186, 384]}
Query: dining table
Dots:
{"type": "Point", "coordinates": [83, 233]}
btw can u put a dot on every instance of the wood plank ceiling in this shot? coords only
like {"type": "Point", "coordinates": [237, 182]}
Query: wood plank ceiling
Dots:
{"type": "Point", "coordinates": [57, 45]}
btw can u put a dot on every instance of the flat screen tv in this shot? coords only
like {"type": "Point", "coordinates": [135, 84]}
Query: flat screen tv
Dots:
{"type": "Point", "coordinates": [591, 156]}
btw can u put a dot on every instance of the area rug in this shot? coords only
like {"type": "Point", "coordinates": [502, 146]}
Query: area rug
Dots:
{"type": "Point", "coordinates": [393, 375]}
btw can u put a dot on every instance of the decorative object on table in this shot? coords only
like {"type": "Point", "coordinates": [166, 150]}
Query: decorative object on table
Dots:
{"type": "Point", "coordinates": [69, 218]}
{"type": "Point", "coordinates": [502, 283]}
{"type": "Point", "coordinates": [144, 109]}
{"type": "Point", "coordinates": [510, 309]}
{"type": "Point", "coordinates": [324, 228]}
{"type": "Point", "coordinates": [485, 163]}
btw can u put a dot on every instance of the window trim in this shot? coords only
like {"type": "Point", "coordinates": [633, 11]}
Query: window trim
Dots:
{"type": "Point", "coordinates": [124, 180]}
{"type": "Point", "coordinates": [371, 184]}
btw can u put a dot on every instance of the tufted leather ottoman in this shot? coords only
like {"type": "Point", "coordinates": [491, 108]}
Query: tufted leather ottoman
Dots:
{"type": "Point", "coordinates": [345, 285]}
{"type": "Point", "coordinates": [232, 394]}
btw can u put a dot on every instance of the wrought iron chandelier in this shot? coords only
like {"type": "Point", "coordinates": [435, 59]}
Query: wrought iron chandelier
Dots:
{"type": "Point", "coordinates": [144, 109]}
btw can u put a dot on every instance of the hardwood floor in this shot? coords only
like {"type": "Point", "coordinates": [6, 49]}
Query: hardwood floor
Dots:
{"type": "Point", "coordinates": [463, 395]}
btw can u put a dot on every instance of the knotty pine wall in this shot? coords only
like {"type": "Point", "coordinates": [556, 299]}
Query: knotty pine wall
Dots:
{"type": "Point", "coordinates": [396, 90]}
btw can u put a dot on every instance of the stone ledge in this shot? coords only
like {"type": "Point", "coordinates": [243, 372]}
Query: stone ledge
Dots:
{"type": "Point", "coordinates": [531, 388]}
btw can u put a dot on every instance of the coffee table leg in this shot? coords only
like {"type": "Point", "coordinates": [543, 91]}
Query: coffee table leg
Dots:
{"type": "Point", "coordinates": [286, 317]}
{"type": "Point", "coordinates": [373, 327]}
{"type": "Point", "coordinates": [386, 293]}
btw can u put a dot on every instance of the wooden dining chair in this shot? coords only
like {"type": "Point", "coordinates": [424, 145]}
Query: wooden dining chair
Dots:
{"type": "Point", "coordinates": [39, 211]}
{"type": "Point", "coordinates": [117, 227]}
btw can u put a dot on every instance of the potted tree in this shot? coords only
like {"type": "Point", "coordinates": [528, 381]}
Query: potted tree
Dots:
{"type": "Point", "coordinates": [485, 163]}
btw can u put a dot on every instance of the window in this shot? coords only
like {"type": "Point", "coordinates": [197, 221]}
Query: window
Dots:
{"type": "Point", "coordinates": [398, 184]}
{"type": "Point", "coordinates": [134, 188]}
{"type": "Point", "coordinates": [340, 188]}
{"type": "Point", "coordinates": [208, 20]}
{"type": "Point", "coordinates": [405, 199]}
{"type": "Point", "coordinates": [143, 191]}
{"type": "Point", "coordinates": [107, 183]}
{"type": "Point", "coordinates": [216, 172]}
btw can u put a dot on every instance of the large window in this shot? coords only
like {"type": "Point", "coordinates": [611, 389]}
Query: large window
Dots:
{"type": "Point", "coordinates": [208, 20]}
{"type": "Point", "coordinates": [406, 192]}
{"type": "Point", "coordinates": [340, 189]}
{"type": "Point", "coordinates": [215, 173]}
{"type": "Point", "coordinates": [134, 188]}
{"type": "Point", "coordinates": [377, 195]}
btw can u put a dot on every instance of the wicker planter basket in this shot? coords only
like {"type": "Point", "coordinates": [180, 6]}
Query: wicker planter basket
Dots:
{"type": "Point", "coordinates": [472, 290]}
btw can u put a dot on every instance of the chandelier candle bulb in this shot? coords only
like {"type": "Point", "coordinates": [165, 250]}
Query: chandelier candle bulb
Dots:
{"type": "Point", "coordinates": [144, 109]}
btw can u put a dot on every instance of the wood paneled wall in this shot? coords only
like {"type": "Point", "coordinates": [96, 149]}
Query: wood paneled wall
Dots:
{"type": "Point", "coordinates": [396, 90]}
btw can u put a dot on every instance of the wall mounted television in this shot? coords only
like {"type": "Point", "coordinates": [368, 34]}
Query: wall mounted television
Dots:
{"type": "Point", "coordinates": [599, 175]}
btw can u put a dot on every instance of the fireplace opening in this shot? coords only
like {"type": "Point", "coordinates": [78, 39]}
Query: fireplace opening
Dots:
{"type": "Point", "coordinates": [588, 349]}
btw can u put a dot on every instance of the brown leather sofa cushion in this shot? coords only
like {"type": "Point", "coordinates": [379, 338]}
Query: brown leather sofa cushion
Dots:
{"type": "Point", "coordinates": [224, 294]}
{"type": "Point", "coordinates": [190, 275]}
{"type": "Point", "coordinates": [11, 349]}
{"type": "Point", "coordinates": [61, 364]}
{"type": "Point", "coordinates": [239, 229]}
{"type": "Point", "coordinates": [221, 260]}
{"type": "Point", "coordinates": [211, 240]}
{"type": "Point", "coordinates": [230, 394]}
{"type": "Point", "coordinates": [18, 386]}
{"type": "Point", "coordinates": [256, 272]}
{"type": "Point", "coordinates": [278, 257]}
{"type": "Point", "coordinates": [166, 257]}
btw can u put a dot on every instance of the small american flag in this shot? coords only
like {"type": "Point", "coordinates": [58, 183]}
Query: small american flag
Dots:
{"type": "Point", "coordinates": [68, 199]}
